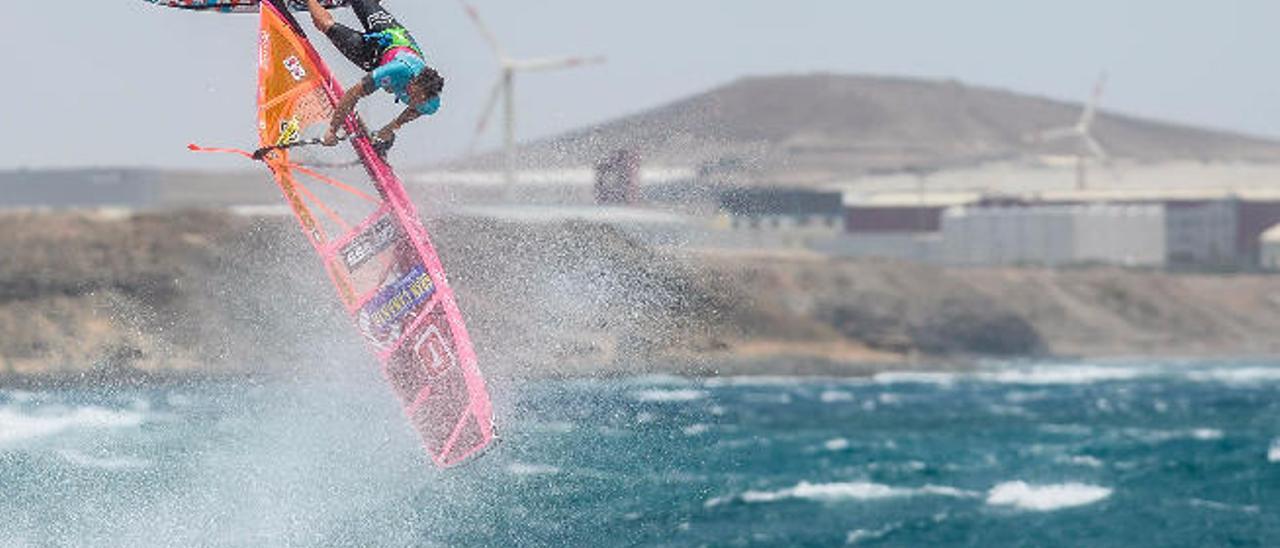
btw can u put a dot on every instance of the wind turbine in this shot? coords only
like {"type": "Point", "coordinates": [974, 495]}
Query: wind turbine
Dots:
{"type": "Point", "coordinates": [1082, 132]}
{"type": "Point", "coordinates": [504, 88]}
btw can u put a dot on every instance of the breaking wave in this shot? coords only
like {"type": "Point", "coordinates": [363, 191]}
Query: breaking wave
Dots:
{"type": "Point", "coordinates": [836, 444]}
{"type": "Point", "coordinates": [16, 425]}
{"type": "Point", "coordinates": [681, 395]}
{"type": "Point", "coordinates": [1236, 375]}
{"type": "Point", "coordinates": [840, 491]}
{"type": "Point", "coordinates": [1083, 374]}
{"type": "Point", "coordinates": [835, 396]}
{"type": "Point", "coordinates": [525, 469]}
{"type": "Point", "coordinates": [1046, 375]}
{"type": "Point", "coordinates": [1045, 498]}
{"type": "Point", "coordinates": [108, 462]}
{"type": "Point", "coordinates": [916, 377]}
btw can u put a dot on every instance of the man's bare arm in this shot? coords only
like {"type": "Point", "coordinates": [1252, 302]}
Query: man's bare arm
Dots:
{"type": "Point", "coordinates": [347, 104]}
{"type": "Point", "coordinates": [410, 114]}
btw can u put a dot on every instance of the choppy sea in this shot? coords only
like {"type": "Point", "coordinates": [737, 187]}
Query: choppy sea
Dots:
{"type": "Point", "coordinates": [1119, 453]}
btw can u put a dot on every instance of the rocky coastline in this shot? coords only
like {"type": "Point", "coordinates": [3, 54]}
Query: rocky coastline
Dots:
{"type": "Point", "coordinates": [94, 297]}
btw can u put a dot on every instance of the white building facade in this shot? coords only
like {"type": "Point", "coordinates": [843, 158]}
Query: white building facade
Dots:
{"type": "Point", "coordinates": [1055, 235]}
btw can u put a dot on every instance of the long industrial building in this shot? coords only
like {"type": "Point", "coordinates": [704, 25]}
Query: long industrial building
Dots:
{"type": "Point", "coordinates": [1054, 235]}
{"type": "Point", "coordinates": [1222, 232]}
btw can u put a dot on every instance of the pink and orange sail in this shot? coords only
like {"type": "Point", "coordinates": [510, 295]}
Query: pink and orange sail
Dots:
{"type": "Point", "coordinates": [373, 246]}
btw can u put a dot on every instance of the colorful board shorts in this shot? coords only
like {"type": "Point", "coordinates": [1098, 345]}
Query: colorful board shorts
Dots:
{"type": "Point", "coordinates": [383, 38]}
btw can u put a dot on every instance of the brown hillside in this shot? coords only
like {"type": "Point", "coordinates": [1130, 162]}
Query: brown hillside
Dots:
{"type": "Point", "coordinates": [817, 127]}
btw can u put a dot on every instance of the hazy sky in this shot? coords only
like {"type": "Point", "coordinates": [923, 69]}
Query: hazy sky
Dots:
{"type": "Point", "coordinates": [125, 83]}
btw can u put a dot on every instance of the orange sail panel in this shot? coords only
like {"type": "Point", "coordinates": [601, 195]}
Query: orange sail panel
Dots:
{"type": "Point", "coordinates": [374, 247]}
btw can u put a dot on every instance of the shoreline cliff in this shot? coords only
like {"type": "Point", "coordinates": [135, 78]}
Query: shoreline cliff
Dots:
{"type": "Point", "coordinates": [153, 297]}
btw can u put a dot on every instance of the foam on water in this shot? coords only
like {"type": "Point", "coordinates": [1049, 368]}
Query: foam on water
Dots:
{"type": "Point", "coordinates": [1081, 460]}
{"type": "Point", "coordinates": [1045, 498]}
{"type": "Point", "coordinates": [333, 464]}
{"type": "Point", "coordinates": [1206, 434]}
{"type": "Point", "coordinates": [103, 462]}
{"type": "Point", "coordinates": [1224, 507]}
{"type": "Point", "coordinates": [16, 425]}
{"type": "Point", "coordinates": [837, 444]}
{"type": "Point", "coordinates": [835, 396]}
{"type": "Point", "coordinates": [757, 380]}
{"type": "Point", "coordinates": [1236, 375]}
{"type": "Point", "coordinates": [1161, 436]}
{"type": "Point", "coordinates": [859, 535]}
{"type": "Point", "coordinates": [1084, 374]}
{"type": "Point", "coordinates": [531, 469]}
{"type": "Point", "coordinates": [914, 377]}
{"type": "Point", "coordinates": [695, 429]}
{"type": "Point", "coordinates": [1060, 375]}
{"type": "Point", "coordinates": [840, 491]}
{"type": "Point", "coordinates": [657, 395]}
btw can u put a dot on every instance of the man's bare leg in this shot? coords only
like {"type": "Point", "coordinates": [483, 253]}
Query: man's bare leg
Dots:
{"type": "Point", "coordinates": [321, 17]}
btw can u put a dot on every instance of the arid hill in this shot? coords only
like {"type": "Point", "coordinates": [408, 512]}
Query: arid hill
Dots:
{"type": "Point", "coordinates": [817, 127]}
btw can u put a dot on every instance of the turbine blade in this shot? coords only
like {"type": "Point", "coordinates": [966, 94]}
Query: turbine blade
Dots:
{"type": "Point", "coordinates": [554, 63]}
{"type": "Point", "coordinates": [484, 30]}
{"type": "Point", "coordinates": [490, 106]}
{"type": "Point", "coordinates": [1095, 147]}
{"type": "Point", "coordinates": [1091, 108]}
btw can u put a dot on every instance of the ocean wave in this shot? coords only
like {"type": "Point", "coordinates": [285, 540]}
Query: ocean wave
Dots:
{"type": "Point", "coordinates": [1236, 375]}
{"type": "Point", "coordinates": [899, 466]}
{"type": "Point", "coordinates": [1081, 460]}
{"type": "Point", "coordinates": [840, 491]}
{"type": "Point", "coordinates": [1060, 375]}
{"type": "Point", "coordinates": [837, 444]}
{"type": "Point", "coordinates": [1224, 507]}
{"type": "Point", "coordinates": [858, 535]}
{"type": "Point", "coordinates": [1273, 454]}
{"type": "Point", "coordinates": [1206, 434]}
{"type": "Point", "coordinates": [658, 395]}
{"type": "Point", "coordinates": [18, 426]}
{"type": "Point", "coordinates": [1045, 498]}
{"type": "Point", "coordinates": [104, 462]}
{"type": "Point", "coordinates": [754, 380]}
{"type": "Point", "coordinates": [915, 377]}
{"type": "Point", "coordinates": [525, 469]}
{"type": "Point", "coordinates": [1161, 436]}
{"type": "Point", "coordinates": [835, 396]}
{"type": "Point", "coordinates": [695, 429]}
{"type": "Point", "coordinates": [1083, 374]}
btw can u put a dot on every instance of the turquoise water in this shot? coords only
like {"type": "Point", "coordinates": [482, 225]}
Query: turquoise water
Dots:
{"type": "Point", "coordinates": [1110, 454]}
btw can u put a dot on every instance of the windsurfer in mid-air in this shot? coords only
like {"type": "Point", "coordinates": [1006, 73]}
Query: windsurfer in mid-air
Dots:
{"type": "Point", "coordinates": [393, 60]}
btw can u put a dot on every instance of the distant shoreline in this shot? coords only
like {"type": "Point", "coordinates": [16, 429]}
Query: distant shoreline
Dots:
{"type": "Point", "coordinates": [158, 298]}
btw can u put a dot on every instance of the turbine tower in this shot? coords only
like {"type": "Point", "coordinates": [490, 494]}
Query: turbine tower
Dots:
{"type": "Point", "coordinates": [504, 88]}
{"type": "Point", "coordinates": [1082, 133]}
